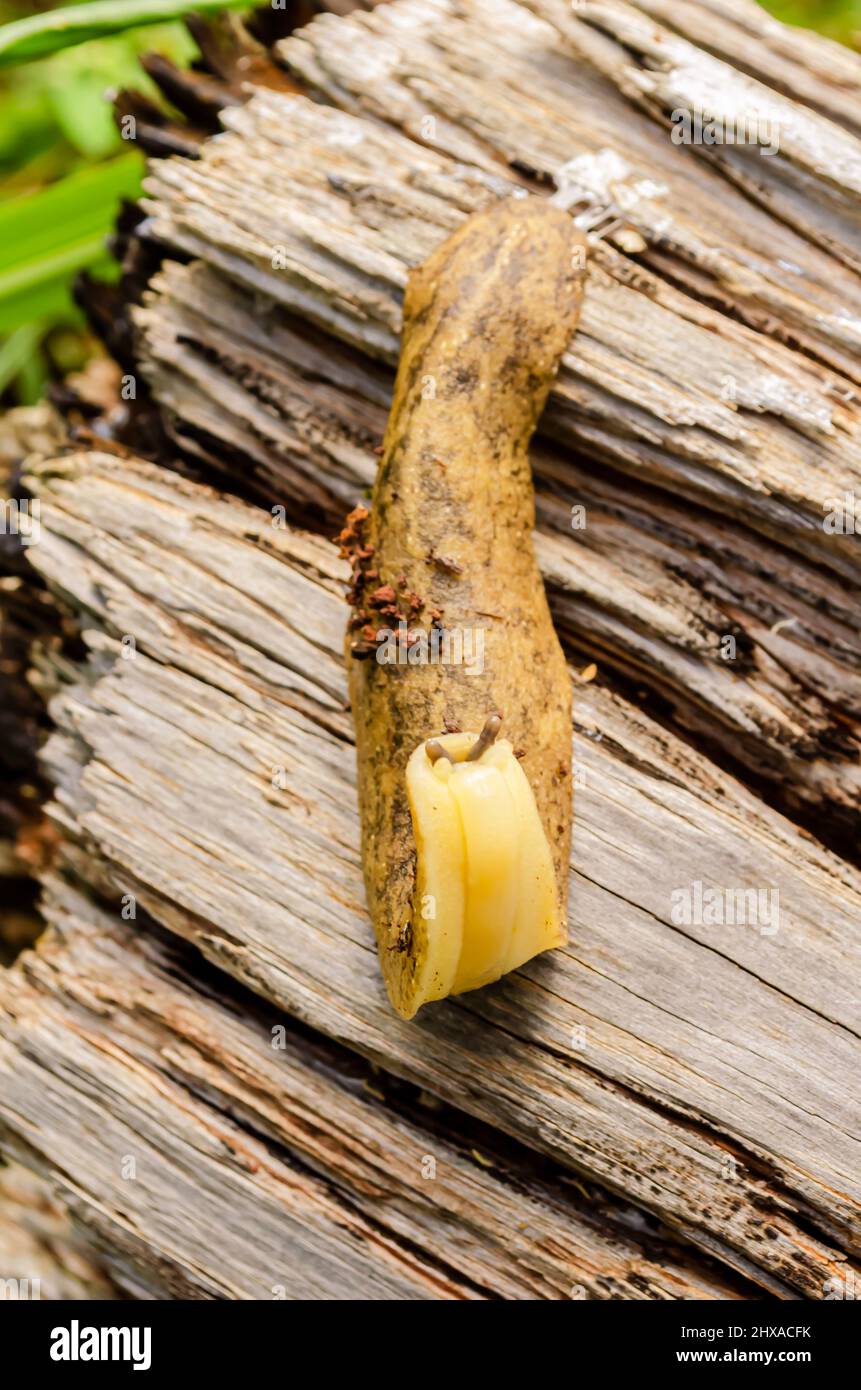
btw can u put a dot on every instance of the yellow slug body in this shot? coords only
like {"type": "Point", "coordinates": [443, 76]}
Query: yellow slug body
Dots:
{"type": "Point", "coordinates": [485, 884]}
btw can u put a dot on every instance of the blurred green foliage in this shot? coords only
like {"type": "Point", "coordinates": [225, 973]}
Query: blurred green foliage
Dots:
{"type": "Point", "coordinates": [64, 168]}
{"type": "Point", "coordinates": [41, 34]}
{"type": "Point", "coordinates": [55, 110]}
{"type": "Point", "coordinates": [840, 19]}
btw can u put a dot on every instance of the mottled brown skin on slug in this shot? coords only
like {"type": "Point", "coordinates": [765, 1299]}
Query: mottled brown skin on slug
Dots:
{"type": "Point", "coordinates": [486, 320]}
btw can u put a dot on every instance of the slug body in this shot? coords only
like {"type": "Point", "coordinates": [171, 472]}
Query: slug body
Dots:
{"type": "Point", "coordinates": [486, 884]}
{"type": "Point", "coordinates": [465, 847]}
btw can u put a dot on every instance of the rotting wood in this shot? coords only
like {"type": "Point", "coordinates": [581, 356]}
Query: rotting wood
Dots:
{"type": "Point", "coordinates": [644, 382]}
{"type": "Point", "coordinates": [238, 1158]}
{"type": "Point", "coordinates": [421, 66]}
{"type": "Point", "coordinates": [811, 178]}
{"type": "Point", "coordinates": [24, 611]}
{"type": "Point", "coordinates": [801, 64]}
{"type": "Point", "coordinates": [709, 1051]}
{"type": "Point", "coordinates": [701, 1072]}
{"type": "Point", "coordinates": [646, 584]}
{"type": "Point", "coordinates": [42, 1256]}
{"type": "Point", "coordinates": [662, 381]}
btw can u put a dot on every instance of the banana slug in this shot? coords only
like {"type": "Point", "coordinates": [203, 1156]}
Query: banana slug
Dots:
{"type": "Point", "coordinates": [465, 834]}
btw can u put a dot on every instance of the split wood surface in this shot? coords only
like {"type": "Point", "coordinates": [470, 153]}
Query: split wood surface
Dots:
{"type": "Point", "coordinates": [700, 1072]}
{"type": "Point", "coordinates": [715, 374]}
{"type": "Point", "coordinates": [665, 1109]}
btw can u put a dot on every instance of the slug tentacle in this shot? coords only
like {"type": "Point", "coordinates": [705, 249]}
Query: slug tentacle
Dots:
{"type": "Point", "coordinates": [486, 737]}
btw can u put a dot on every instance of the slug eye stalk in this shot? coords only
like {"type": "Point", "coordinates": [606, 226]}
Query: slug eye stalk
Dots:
{"type": "Point", "coordinates": [435, 751]}
{"type": "Point", "coordinates": [486, 738]}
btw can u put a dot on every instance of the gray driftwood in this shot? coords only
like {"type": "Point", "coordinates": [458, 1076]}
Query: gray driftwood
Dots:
{"type": "Point", "coordinates": [714, 371]}
{"type": "Point", "coordinates": [42, 1255]}
{"type": "Point", "coordinates": [667, 1108]}
{"type": "Point", "coordinates": [239, 1159]}
{"type": "Point", "coordinates": [701, 1072]}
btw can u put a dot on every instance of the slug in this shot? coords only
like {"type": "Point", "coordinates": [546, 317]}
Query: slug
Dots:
{"type": "Point", "coordinates": [450, 644]}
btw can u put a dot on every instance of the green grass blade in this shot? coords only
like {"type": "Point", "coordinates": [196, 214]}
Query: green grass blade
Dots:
{"type": "Point", "coordinates": [49, 302]}
{"type": "Point", "coordinates": [47, 237]}
{"type": "Point", "coordinates": [16, 351]}
{"type": "Point", "coordinates": [41, 34]}
{"type": "Point", "coordinates": [80, 204]}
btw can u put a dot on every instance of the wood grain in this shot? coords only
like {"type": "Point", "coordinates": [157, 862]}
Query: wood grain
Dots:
{"type": "Point", "coordinates": [668, 1108]}
{"type": "Point", "coordinates": [703, 419]}
{"type": "Point", "coordinates": [211, 775]}
{"type": "Point", "coordinates": [239, 1158]}
{"type": "Point", "coordinates": [646, 584]}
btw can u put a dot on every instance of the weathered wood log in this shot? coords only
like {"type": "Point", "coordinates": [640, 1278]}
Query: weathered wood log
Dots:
{"type": "Point", "coordinates": [239, 1158]}
{"type": "Point", "coordinates": [342, 238]}
{"type": "Point", "coordinates": [41, 1254]}
{"type": "Point", "coordinates": [644, 583]}
{"type": "Point", "coordinates": [696, 1070]}
{"type": "Point", "coordinates": [302, 209]}
{"type": "Point", "coordinates": [424, 66]}
{"type": "Point", "coordinates": [666, 74]}
{"type": "Point", "coordinates": [668, 1107]}
{"type": "Point", "coordinates": [796, 62]}
{"type": "Point", "coordinates": [25, 612]}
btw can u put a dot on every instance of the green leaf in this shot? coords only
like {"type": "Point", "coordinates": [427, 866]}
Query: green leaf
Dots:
{"type": "Point", "coordinates": [47, 237]}
{"type": "Point", "coordinates": [16, 350]}
{"type": "Point", "coordinates": [32, 378]}
{"type": "Point", "coordinates": [26, 125]}
{"type": "Point", "coordinates": [83, 115]}
{"type": "Point", "coordinates": [63, 211]}
{"type": "Point", "coordinates": [64, 100]}
{"type": "Point", "coordinates": [51, 301]}
{"type": "Point", "coordinates": [838, 18]}
{"type": "Point", "coordinates": [41, 34]}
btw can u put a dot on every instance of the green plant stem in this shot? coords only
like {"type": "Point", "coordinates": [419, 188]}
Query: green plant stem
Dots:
{"type": "Point", "coordinates": [41, 34]}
